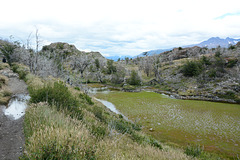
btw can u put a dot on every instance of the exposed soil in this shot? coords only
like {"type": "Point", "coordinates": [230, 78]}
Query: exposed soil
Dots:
{"type": "Point", "coordinates": [11, 131]}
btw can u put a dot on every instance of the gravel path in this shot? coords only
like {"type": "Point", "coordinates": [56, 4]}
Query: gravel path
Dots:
{"type": "Point", "coordinates": [11, 131]}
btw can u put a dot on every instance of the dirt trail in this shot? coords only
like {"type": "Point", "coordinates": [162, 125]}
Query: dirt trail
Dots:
{"type": "Point", "coordinates": [11, 131]}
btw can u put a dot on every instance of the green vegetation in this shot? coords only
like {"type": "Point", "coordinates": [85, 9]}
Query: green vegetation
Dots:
{"type": "Point", "coordinates": [209, 124]}
{"type": "Point", "coordinates": [232, 62]}
{"type": "Point", "coordinates": [134, 78]}
{"type": "Point", "coordinates": [7, 49]}
{"type": "Point", "coordinates": [194, 151]}
{"type": "Point", "coordinates": [5, 93]}
{"type": "Point", "coordinates": [191, 68]}
{"type": "Point", "coordinates": [205, 60]}
{"type": "Point", "coordinates": [110, 67]}
{"type": "Point", "coordinates": [231, 47]}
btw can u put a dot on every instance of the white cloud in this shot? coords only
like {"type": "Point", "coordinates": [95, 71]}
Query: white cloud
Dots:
{"type": "Point", "coordinates": [121, 27]}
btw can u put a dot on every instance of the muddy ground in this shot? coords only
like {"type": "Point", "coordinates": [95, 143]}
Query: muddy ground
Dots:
{"type": "Point", "coordinates": [11, 131]}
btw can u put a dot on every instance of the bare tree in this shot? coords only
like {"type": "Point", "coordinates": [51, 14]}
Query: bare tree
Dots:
{"type": "Point", "coordinates": [80, 63]}
{"type": "Point", "coordinates": [156, 67]}
{"type": "Point", "coordinates": [36, 52]}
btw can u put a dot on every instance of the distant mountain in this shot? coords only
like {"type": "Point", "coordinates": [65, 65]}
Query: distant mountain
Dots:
{"type": "Point", "coordinates": [115, 58]}
{"type": "Point", "coordinates": [210, 43]}
{"type": "Point", "coordinates": [152, 52]}
{"type": "Point", "coordinates": [216, 41]}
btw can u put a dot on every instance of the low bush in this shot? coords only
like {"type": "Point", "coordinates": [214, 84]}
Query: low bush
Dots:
{"type": "Point", "coordinates": [3, 79]}
{"type": "Point", "coordinates": [212, 73]}
{"type": "Point", "coordinates": [98, 131]}
{"type": "Point", "coordinates": [231, 47]}
{"type": "Point", "coordinates": [4, 65]}
{"type": "Point", "coordinates": [98, 112]}
{"type": "Point", "coordinates": [22, 72]}
{"type": "Point", "coordinates": [205, 60]}
{"type": "Point", "coordinates": [86, 98]}
{"type": "Point", "coordinates": [77, 88]}
{"type": "Point", "coordinates": [134, 78]}
{"type": "Point", "coordinates": [231, 63]}
{"type": "Point", "coordinates": [191, 68]}
{"type": "Point", "coordinates": [56, 94]}
{"type": "Point", "coordinates": [227, 95]}
{"type": "Point", "coordinates": [194, 151]}
{"type": "Point", "coordinates": [145, 139]}
{"type": "Point", "coordinates": [6, 93]}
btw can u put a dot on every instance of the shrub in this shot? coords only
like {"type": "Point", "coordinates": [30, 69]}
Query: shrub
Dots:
{"type": "Point", "coordinates": [110, 67]}
{"type": "Point", "coordinates": [86, 98]}
{"type": "Point", "coordinates": [45, 48]}
{"type": "Point", "coordinates": [212, 73]}
{"type": "Point", "coordinates": [3, 80]}
{"type": "Point", "coordinates": [98, 131]}
{"type": "Point", "coordinates": [60, 46]}
{"type": "Point", "coordinates": [191, 68]}
{"type": "Point", "coordinates": [76, 112]}
{"type": "Point", "coordinates": [58, 95]}
{"type": "Point", "coordinates": [145, 139]}
{"type": "Point", "coordinates": [77, 88]}
{"type": "Point", "coordinates": [134, 79]}
{"type": "Point", "coordinates": [20, 71]}
{"type": "Point", "coordinates": [97, 111]}
{"type": "Point", "coordinates": [231, 47]}
{"type": "Point", "coordinates": [6, 93]}
{"type": "Point", "coordinates": [205, 60]}
{"type": "Point", "coordinates": [219, 63]}
{"type": "Point", "coordinates": [4, 65]}
{"type": "Point", "coordinates": [7, 50]}
{"type": "Point", "coordinates": [22, 75]}
{"type": "Point", "coordinates": [122, 126]}
{"type": "Point", "coordinates": [231, 63]}
{"type": "Point", "coordinates": [228, 95]}
{"type": "Point", "coordinates": [218, 54]}
{"type": "Point", "coordinates": [14, 68]}
{"type": "Point", "coordinates": [194, 151]}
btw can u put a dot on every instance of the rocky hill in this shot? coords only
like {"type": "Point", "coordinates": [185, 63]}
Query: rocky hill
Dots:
{"type": "Point", "coordinates": [195, 73]}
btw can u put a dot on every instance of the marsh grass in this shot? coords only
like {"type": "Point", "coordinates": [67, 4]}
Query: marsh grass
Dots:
{"type": "Point", "coordinates": [5, 93]}
{"type": "Point", "coordinates": [53, 135]}
{"type": "Point", "coordinates": [214, 125]}
{"type": "Point", "coordinates": [4, 65]}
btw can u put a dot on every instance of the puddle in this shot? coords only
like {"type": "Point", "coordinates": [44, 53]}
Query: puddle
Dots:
{"type": "Point", "coordinates": [16, 106]}
{"type": "Point", "coordinates": [111, 106]}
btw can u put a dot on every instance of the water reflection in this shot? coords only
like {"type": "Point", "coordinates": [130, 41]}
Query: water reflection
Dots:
{"type": "Point", "coordinates": [16, 107]}
{"type": "Point", "coordinates": [111, 106]}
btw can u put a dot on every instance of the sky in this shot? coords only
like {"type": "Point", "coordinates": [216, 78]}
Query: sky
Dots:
{"type": "Point", "coordinates": [120, 27]}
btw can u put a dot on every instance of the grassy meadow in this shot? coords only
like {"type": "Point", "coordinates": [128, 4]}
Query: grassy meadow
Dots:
{"type": "Point", "coordinates": [214, 126]}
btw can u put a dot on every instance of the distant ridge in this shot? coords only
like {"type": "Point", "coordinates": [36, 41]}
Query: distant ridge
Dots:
{"type": "Point", "coordinates": [115, 58]}
{"type": "Point", "coordinates": [212, 42]}
{"type": "Point", "coordinates": [216, 41]}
